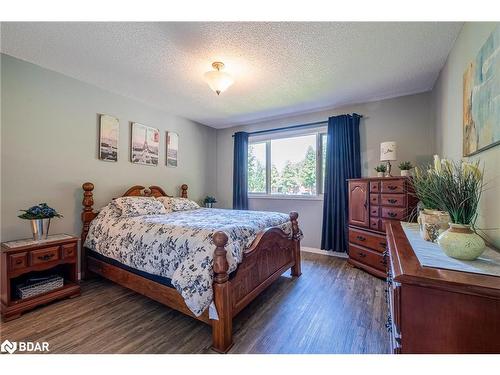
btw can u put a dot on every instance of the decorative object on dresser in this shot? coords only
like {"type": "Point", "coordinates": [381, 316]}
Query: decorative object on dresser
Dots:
{"type": "Point", "coordinates": [108, 138]}
{"type": "Point", "coordinates": [373, 201]}
{"type": "Point", "coordinates": [388, 154]}
{"type": "Point", "coordinates": [35, 273]}
{"type": "Point", "coordinates": [405, 168]}
{"type": "Point", "coordinates": [270, 254]}
{"type": "Point", "coordinates": [39, 217]}
{"type": "Point", "coordinates": [380, 169]}
{"type": "Point", "coordinates": [438, 304]}
{"type": "Point", "coordinates": [209, 201]}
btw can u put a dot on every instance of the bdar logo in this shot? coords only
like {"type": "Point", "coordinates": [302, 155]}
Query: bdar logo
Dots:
{"type": "Point", "coordinates": [8, 346]}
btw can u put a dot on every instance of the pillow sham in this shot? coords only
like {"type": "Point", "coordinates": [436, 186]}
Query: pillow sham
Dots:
{"type": "Point", "coordinates": [137, 206]}
{"type": "Point", "coordinates": [178, 204]}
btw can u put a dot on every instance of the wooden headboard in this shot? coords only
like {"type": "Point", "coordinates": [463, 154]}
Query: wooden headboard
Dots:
{"type": "Point", "coordinates": [88, 213]}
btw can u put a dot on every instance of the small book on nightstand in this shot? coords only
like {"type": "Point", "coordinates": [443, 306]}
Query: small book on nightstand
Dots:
{"type": "Point", "coordinates": [35, 273]}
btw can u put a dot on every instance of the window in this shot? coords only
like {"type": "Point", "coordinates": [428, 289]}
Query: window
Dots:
{"type": "Point", "coordinates": [291, 166]}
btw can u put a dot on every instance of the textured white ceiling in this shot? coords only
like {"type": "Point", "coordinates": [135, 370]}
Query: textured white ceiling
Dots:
{"type": "Point", "coordinates": [279, 68]}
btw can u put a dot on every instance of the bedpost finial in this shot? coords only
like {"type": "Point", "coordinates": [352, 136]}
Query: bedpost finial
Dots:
{"type": "Point", "coordinates": [88, 186]}
{"type": "Point", "coordinates": [295, 224]}
{"type": "Point", "coordinates": [221, 266]}
{"type": "Point", "coordinates": [294, 216]}
{"type": "Point", "coordinates": [184, 189]}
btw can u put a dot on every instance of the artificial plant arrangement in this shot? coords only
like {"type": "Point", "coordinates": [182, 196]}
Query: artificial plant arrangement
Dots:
{"type": "Point", "coordinates": [454, 188]}
{"type": "Point", "coordinates": [209, 201]}
{"type": "Point", "coordinates": [39, 217]}
{"type": "Point", "coordinates": [405, 168]}
{"type": "Point", "coordinates": [381, 169]}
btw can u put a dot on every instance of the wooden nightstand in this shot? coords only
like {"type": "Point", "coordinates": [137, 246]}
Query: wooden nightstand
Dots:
{"type": "Point", "coordinates": [24, 259]}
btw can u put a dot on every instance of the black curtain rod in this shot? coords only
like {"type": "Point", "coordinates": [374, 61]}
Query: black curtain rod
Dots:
{"type": "Point", "coordinates": [310, 124]}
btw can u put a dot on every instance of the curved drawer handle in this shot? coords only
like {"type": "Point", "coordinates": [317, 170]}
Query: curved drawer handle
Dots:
{"type": "Point", "coordinates": [392, 214]}
{"type": "Point", "coordinates": [361, 238]}
{"type": "Point", "coordinates": [392, 201]}
{"type": "Point", "coordinates": [362, 255]}
{"type": "Point", "coordinates": [19, 261]}
{"type": "Point", "coordinates": [46, 257]}
{"type": "Point", "coordinates": [392, 187]}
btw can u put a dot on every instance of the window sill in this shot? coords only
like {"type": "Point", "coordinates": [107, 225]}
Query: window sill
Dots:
{"type": "Point", "coordinates": [286, 197]}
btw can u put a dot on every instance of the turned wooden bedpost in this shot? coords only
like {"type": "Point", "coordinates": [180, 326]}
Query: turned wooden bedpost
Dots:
{"type": "Point", "coordinates": [222, 329]}
{"type": "Point", "coordinates": [184, 191]}
{"type": "Point", "coordinates": [87, 216]}
{"type": "Point", "coordinates": [296, 270]}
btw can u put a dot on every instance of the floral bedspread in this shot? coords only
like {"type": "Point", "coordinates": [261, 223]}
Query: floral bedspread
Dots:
{"type": "Point", "coordinates": [178, 245]}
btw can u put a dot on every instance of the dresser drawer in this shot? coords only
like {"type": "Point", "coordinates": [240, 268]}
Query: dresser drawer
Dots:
{"type": "Point", "coordinates": [369, 240]}
{"type": "Point", "coordinates": [18, 261]}
{"type": "Point", "coordinates": [48, 254]}
{"type": "Point", "coordinates": [374, 223]}
{"type": "Point", "coordinates": [394, 200]}
{"type": "Point", "coordinates": [69, 251]}
{"type": "Point", "coordinates": [394, 213]}
{"type": "Point", "coordinates": [374, 199]}
{"type": "Point", "coordinates": [374, 211]}
{"type": "Point", "coordinates": [374, 186]}
{"type": "Point", "coordinates": [368, 257]}
{"type": "Point", "coordinates": [393, 186]}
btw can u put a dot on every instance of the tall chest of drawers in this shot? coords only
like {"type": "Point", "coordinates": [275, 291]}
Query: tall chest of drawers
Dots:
{"type": "Point", "coordinates": [373, 201]}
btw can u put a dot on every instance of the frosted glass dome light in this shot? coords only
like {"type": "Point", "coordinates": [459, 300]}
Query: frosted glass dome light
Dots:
{"type": "Point", "coordinates": [217, 80]}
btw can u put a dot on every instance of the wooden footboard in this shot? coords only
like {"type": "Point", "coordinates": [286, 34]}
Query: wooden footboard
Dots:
{"type": "Point", "coordinates": [270, 255]}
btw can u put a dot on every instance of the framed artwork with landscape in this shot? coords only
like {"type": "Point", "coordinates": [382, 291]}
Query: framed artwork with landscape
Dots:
{"type": "Point", "coordinates": [172, 149]}
{"type": "Point", "coordinates": [109, 127]}
{"type": "Point", "coordinates": [145, 145]}
{"type": "Point", "coordinates": [481, 107]}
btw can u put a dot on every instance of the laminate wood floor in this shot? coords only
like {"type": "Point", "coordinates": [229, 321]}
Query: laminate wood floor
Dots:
{"type": "Point", "coordinates": [331, 308]}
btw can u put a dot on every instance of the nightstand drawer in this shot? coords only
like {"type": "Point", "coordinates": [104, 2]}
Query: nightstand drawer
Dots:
{"type": "Point", "coordinates": [48, 254]}
{"type": "Point", "coordinates": [69, 251]}
{"type": "Point", "coordinates": [18, 261]}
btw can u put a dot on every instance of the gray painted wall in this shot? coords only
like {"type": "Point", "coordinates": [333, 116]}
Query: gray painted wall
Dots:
{"type": "Point", "coordinates": [406, 120]}
{"type": "Point", "coordinates": [49, 147]}
{"type": "Point", "coordinates": [447, 101]}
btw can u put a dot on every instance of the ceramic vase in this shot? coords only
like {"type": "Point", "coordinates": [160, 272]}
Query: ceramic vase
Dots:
{"type": "Point", "coordinates": [461, 242]}
{"type": "Point", "coordinates": [380, 174]}
{"type": "Point", "coordinates": [432, 223]}
{"type": "Point", "coordinates": [209, 205]}
{"type": "Point", "coordinates": [405, 172]}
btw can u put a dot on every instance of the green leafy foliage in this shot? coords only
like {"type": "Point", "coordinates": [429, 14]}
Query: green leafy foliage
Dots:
{"type": "Point", "coordinates": [381, 168]}
{"type": "Point", "coordinates": [405, 165]}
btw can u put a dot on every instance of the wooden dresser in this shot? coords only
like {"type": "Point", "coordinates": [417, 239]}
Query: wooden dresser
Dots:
{"type": "Point", "coordinates": [437, 310]}
{"type": "Point", "coordinates": [373, 201]}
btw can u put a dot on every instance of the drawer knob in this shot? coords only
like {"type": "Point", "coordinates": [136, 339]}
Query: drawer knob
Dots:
{"type": "Point", "coordinates": [362, 255]}
{"type": "Point", "coordinates": [392, 214]}
{"type": "Point", "coordinates": [360, 238]}
{"type": "Point", "coordinates": [392, 201]}
{"type": "Point", "coordinates": [46, 256]}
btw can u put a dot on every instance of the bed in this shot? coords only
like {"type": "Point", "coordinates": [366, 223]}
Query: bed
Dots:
{"type": "Point", "coordinates": [206, 263]}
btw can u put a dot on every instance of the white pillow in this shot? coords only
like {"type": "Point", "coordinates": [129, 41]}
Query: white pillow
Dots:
{"type": "Point", "coordinates": [138, 206]}
{"type": "Point", "coordinates": [178, 204]}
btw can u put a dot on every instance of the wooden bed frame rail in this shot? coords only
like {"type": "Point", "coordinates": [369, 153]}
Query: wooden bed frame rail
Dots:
{"type": "Point", "coordinates": [270, 255]}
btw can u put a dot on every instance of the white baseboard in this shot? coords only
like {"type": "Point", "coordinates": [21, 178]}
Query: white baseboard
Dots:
{"type": "Point", "coordinates": [337, 254]}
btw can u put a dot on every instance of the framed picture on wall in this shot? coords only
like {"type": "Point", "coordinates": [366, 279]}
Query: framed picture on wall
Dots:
{"type": "Point", "coordinates": [172, 149]}
{"type": "Point", "coordinates": [145, 144]}
{"type": "Point", "coordinates": [109, 127]}
{"type": "Point", "coordinates": [481, 107]}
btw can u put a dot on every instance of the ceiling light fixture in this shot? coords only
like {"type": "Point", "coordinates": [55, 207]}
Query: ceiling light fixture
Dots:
{"type": "Point", "coordinates": [217, 80]}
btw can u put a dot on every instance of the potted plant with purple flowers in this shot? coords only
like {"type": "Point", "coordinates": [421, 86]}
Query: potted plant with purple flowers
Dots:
{"type": "Point", "coordinates": [39, 217]}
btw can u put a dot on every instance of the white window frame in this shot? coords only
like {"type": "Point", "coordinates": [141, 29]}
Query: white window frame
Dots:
{"type": "Point", "coordinates": [267, 138]}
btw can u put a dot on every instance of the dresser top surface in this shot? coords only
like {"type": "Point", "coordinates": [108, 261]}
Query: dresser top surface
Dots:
{"type": "Point", "coordinates": [29, 243]}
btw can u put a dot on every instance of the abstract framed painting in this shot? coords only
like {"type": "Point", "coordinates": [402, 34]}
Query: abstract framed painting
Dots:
{"type": "Point", "coordinates": [172, 149]}
{"type": "Point", "coordinates": [109, 128]}
{"type": "Point", "coordinates": [481, 106]}
{"type": "Point", "coordinates": [145, 144]}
